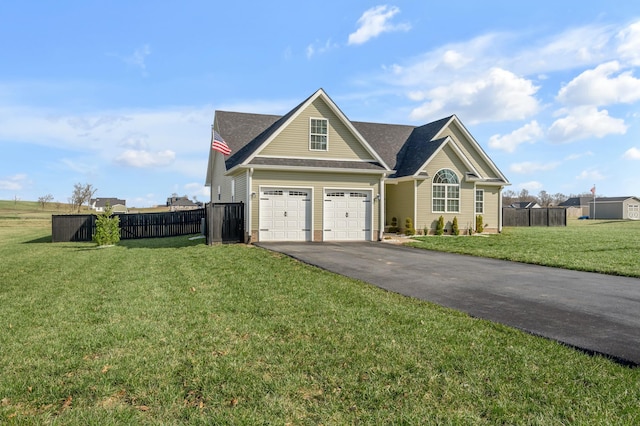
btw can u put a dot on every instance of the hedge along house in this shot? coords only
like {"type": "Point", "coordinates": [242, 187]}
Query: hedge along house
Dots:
{"type": "Point", "coordinates": [314, 175]}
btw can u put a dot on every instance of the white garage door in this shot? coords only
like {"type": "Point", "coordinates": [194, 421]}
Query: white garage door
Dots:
{"type": "Point", "coordinates": [347, 215]}
{"type": "Point", "coordinates": [285, 214]}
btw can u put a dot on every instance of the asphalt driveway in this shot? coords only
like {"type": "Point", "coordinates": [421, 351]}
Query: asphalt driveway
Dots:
{"type": "Point", "coordinates": [593, 312]}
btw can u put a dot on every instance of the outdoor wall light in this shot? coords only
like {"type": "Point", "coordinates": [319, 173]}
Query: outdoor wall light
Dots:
{"type": "Point", "coordinates": [378, 197]}
{"type": "Point", "coordinates": [253, 195]}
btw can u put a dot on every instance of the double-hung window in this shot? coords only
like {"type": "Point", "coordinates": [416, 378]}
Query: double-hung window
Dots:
{"type": "Point", "coordinates": [446, 192]}
{"type": "Point", "coordinates": [479, 201]}
{"type": "Point", "coordinates": [318, 134]}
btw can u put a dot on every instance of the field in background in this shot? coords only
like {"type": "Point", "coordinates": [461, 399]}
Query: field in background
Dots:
{"type": "Point", "coordinates": [171, 331]}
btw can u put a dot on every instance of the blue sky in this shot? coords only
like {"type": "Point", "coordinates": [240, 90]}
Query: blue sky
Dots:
{"type": "Point", "coordinates": [121, 94]}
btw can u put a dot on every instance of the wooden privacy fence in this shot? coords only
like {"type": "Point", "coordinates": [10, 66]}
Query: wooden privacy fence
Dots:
{"type": "Point", "coordinates": [546, 216]}
{"type": "Point", "coordinates": [66, 228]}
{"type": "Point", "coordinates": [225, 223]}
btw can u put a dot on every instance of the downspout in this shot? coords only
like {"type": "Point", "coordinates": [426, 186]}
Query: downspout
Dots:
{"type": "Point", "coordinates": [249, 204]}
{"type": "Point", "coordinates": [381, 206]}
{"type": "Point", "coordinates": [500, 210]}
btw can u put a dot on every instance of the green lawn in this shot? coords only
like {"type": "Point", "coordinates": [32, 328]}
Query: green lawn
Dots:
{"type": "Point", "coordinates": [170, 331]}
{"type": "Point", "coordinates": [605, 246]}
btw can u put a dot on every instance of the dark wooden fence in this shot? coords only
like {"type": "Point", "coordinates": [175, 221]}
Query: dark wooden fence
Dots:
{"type": "Point", "coordinates": [225, 223]}
{"type": "Point", "coordinates": [534, 217]}
{"type": "Point", "coordinates": [66, 228]}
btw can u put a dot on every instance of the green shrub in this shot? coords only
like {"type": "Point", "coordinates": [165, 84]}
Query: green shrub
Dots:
{"type": "Point", "coordinates": [107, 228]}
{"type": "Point", "coordinates": [394, 225]}
{"type": "Point", "coordinates": [454, 227]}
{"type": "Point", "coordinates": [425, 230]}
{"type": "Point", "coordinates": [479, 226]}
{"type": "Point", "coordinates": [408, 227]}
{"type": "Point", "coordinates": [440, 226]}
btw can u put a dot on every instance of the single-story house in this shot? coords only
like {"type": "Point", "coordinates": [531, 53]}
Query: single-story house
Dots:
{"type": "Point", "coordinates": [314, 175]}
{"type": "Point", "coordinates": [525, 205]}
{"type": "Point", "coordinates": [615, 208]}
{"type": "Point", "coordinates": [117, 205]}
{"type": "Point", "coordinates": [577, 206]}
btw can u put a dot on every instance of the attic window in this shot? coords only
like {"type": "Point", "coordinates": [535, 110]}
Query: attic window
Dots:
{"type": "Point", "coordinates": [318, 134]}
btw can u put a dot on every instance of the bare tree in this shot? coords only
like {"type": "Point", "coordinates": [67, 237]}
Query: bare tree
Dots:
{"type": "Point", "coordinates": [508, 197]}
{"type": "Point", "coordinates": [45, 199]}
{"type": "Point", "coordinates": [544, 198]}
{"type": "Point", "coordinates": [81, 194]}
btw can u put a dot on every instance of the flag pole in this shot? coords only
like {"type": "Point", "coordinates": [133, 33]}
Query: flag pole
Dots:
{"type": "Point", "coordinates": [209, 211]}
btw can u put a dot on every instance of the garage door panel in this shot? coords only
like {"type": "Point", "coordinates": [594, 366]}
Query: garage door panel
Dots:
{"type": "Point", "coordinates": [285, 214]}
{"type": "Point", "coordinates": [347, 215]}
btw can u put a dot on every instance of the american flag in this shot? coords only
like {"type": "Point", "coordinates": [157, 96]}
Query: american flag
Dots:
{"type": "Point", "coordinates": [219, 144]}
{"type": "Point", "coordinates": [593, 190]}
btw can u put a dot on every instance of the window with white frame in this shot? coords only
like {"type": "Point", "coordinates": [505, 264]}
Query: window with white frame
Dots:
{"type": "Point", "coordinates": [479, 200]}
{"type": "Point", "coordinates": [446, 192]}
{"type": "Point", "coordinates": [318, 134]}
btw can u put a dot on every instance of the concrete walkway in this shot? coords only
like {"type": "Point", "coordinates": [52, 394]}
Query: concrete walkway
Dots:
{"type": "Point", "coordinates": [593, 312]}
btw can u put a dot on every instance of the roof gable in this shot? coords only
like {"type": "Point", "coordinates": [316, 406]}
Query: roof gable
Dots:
{"type": "Point", "coordinates": [471, 149]}
{"type": "Point", "coordinates": [254, 147]}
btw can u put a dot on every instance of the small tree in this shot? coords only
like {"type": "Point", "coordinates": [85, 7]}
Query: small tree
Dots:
{"type": "Point", "coordinates": [107, 228]}
{"type": "Point", "coordinates": [479, 225]}
{"type": "Point", "coordinates": [454, 227]}
{"type": "Point", "coordinates": [45, 199]}
{"type": "Point", "coordinates": [394, 225]}
{"type": "Point", "coordinates": [408, 227]}
{"type": "Point", "coordinates": [440, 226]}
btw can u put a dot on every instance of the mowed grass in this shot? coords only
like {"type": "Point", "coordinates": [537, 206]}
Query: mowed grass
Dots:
{"type": "Point", "coordinates": [170, 331]}
{"type": "Point", "coordinates": [605, 246]}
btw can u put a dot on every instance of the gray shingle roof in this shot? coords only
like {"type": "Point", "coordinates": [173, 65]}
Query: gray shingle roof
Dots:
{"type": "Point", "coordinates": [404, 148]}
{"type": "Point", "coordinates": [300, 162]}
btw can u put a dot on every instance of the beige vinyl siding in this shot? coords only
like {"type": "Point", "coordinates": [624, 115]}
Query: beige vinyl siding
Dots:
{"type": "Point", "coordinates": [293, 141]}
{"type": "Point", "coordinates": [491, 215]}
{"type": "Point", "coordinates": [447, 158]}
{"type": "Point", "coordinates": [317, 181]}
{"type": "Point", "coordinates": [241, 187]}
{"type": "Point", "coordinates": [470, 151]}
{"type": "Point", "coordinates": [400, 203]}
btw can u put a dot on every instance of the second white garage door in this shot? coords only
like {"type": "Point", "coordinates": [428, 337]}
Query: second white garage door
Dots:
{"type": "Point", "coordinates": [285, 214]}
{"type": "Point", "coordinates": [347, 215]}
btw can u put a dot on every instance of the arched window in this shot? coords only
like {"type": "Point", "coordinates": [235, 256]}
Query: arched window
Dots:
{"type": "Point", "coordinates": [446, 192]}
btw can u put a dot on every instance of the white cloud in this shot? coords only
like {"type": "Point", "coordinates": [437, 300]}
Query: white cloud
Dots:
{"type": "Point", "coordinates": [496, 95]}
{"type": "Point", "coordinates": [598, 87]}
{"type": "Point", "coordinates": [632, 154]}
{"type": "Point", "coordinates": [13, 183]}
{"type": "Point", "coordinates": [629, 47]}
{"type": "Point", "coordinates": [527, 133]}
{"type": "Point", "coordinates": [374, 22]}
{"type": "Point", "coordinates": [317, 48]}
{"type": "Point", "coordinates": [590, 175]}
{"type": "Point", "coordinates": [144, 159]}
{"type": "Point", "coordinates": [578, 156]}
{"type": "Point", "coordinates": [195, 189]}
{"type": "Point", "coordinates": [532, 186]}
{"type": "Point", "coordinates": [528, 167]}
{"type": "Point", "coordinates": [584, 123]}
{"type": "Point", "coordinates": [138, 57]}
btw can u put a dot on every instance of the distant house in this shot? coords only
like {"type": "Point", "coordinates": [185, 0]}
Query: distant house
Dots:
{"type": "Point", "coordinates": [615, 208]}
{"type": "Point", "coordinates": [181, 203]}
{"type": "Point", "coordinates": [525, 205]}
{"type": "Point", "coordinates": [117, 205]}
{"type": "Point", "coordinates": [577, 206]}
